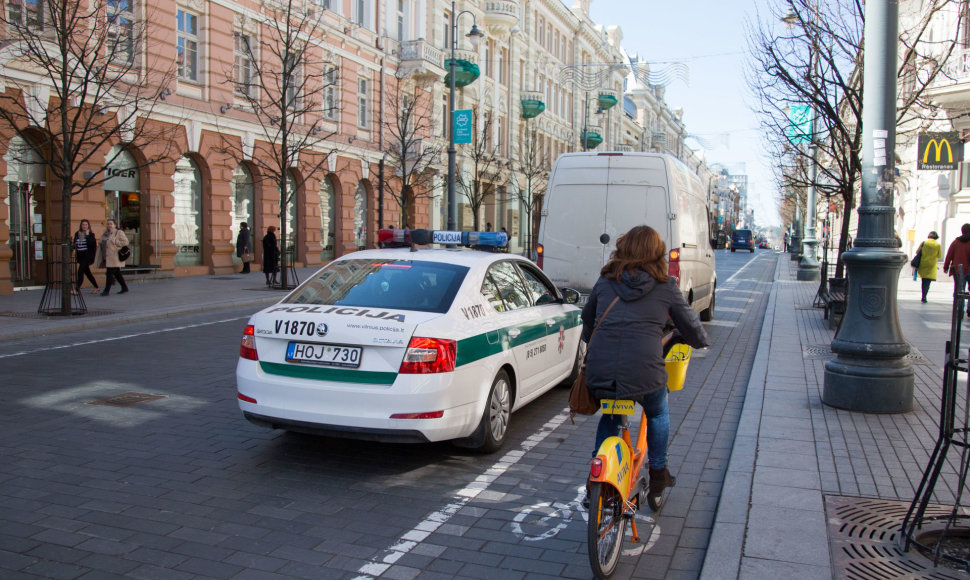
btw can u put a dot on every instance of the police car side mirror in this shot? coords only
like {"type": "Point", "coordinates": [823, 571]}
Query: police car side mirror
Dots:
{"type": "Point", "coordinates": [569, 296]}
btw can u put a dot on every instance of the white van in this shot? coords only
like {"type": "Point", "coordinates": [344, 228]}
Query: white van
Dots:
{"type": "Point", "coordinates": [594, 197]}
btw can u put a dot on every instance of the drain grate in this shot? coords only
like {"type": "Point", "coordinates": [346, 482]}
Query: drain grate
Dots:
{"type": "Point", "coordinates": [825, 351]}
{"type": "Point", "coordinates": [864, 533]}
{"type": "Point", "coordinates": [38, 316]}
{"type": "Point", "coordinates": [127, 400]}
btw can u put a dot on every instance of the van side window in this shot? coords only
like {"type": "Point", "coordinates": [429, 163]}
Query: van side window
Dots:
{"type": "Point", "coordinates": [539, 289]}
{"type": "Point", "coordinates": [510, 287]}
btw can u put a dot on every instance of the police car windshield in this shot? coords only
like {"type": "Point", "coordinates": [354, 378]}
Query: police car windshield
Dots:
{"type": "Point", "coordinates": [383, 283]}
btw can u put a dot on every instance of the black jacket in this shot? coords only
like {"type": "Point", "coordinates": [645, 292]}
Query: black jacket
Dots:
{"type": "Point", "coordinates": [86, 256]}
{"type": "Point", "coordinates": [271, 254]}
{"type": "Point", "coordinates": [244, 242]}
{"type": "Point", "coordinates": [625, 358]}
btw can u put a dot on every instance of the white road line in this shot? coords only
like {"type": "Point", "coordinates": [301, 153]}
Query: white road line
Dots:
{"type": "Point", "coordinates": [735, 275]}
{"type": "Point", "coordinates": [109, 339]}
{"type": "Point", "coordinates": [413, 538]}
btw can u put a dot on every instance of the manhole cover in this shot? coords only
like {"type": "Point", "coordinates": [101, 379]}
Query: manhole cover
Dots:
{"type": "Point", "coordinates": [127, 400]}
{"type": "Point", "coordinates": [825, 351]}
{"type": "Point", "coordinates": [864, 536]}
{"type": "Point", "coordinates": [39, 316]}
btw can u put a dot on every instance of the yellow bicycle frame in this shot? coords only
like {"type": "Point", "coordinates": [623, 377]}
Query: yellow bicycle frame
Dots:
{"type": "Point", "coordinates": [622, 462]}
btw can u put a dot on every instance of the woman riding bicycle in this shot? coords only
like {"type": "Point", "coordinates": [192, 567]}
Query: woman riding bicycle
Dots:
{"type": "Point", "coordinates": [625, 359]}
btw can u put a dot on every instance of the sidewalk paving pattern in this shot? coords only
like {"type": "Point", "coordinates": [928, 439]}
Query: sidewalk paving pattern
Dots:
{"type": "Point", "coordinates": [792, 456]}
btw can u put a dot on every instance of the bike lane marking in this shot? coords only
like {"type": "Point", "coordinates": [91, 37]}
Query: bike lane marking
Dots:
{"type": "Point", "coordinates": [413, 538]}
{"type": "Point", "coordinates": [125, 337]}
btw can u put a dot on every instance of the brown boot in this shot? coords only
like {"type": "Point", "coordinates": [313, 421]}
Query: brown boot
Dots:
{"type": "Point", "coordinates": [660, 479]}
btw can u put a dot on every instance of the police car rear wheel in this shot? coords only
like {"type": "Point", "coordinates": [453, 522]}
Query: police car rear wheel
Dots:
{"type": "Point", "coordinates": [498, 409]}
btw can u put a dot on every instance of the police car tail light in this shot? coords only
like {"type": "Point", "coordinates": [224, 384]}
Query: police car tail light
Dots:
{"type": "Point", "coordinates": [596, 467]}
{"type": "Point", "coordinates": [673, 268]}
{"type": "Point", "coordinates": [247, 348]}
{"type": "Point", "coordinates": [429, 355]}
{"type": "Point", "coordinates": [540, 254]}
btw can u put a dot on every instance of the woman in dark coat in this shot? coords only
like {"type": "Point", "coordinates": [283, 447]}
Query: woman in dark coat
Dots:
{"type": "Point", "coordinates": [625, 358]}
{"type": "Point", "coordinates": [271, 256]}
{"type": "Point", "coordinates": [85, 248]}
{"type": "Point", "coordinates": [244, 245]}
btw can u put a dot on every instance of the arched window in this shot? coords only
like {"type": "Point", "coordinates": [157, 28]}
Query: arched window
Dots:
{"type": "Point", "coordinates": [360, 216]}
{"type": "Point", "coordinates": [243, 200]}
{"type": "Point", "coordinates": [187, 213]}
{"type": "Point", "coordinates": [327, 223]}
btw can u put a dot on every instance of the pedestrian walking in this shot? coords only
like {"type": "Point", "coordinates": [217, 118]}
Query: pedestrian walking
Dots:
{"type": "Point", "coordinates": [271, 256]}
{"type": "Point", "coordinates": [112, 240]}
{"type": "Point", "coordinates": [957, 256]}
{"type": "Point", "coordinates": [787, 238]}
{"type": "Point", "coordinates": [244, 247]}
{"type": "Point", "coordinates": [85, 251]}
{"type": "Point", "coordinates": [930, 253]}
{"type": "Point", "coordinates": [625, 360]}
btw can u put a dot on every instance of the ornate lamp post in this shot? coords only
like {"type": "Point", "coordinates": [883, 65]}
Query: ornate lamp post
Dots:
{"type": "Point", "coordinates": [475, 36]}
{"type": "Point", "coordinates": [870, 372]}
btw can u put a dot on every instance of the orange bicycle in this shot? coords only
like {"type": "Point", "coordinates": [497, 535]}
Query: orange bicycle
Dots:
{"type": "Point", "coordinates": [617, 486]}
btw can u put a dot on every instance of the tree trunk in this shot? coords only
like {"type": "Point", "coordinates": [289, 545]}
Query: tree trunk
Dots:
{"type": "Point", "coordinates": [848, 199]}
{"type": "Point", "coordinates": [66, 282]}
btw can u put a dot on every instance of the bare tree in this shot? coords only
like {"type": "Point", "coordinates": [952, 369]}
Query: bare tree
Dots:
{"type": "Point", "coordinates": [480, 183]}
{"type": "Point", "coordinates": [818, 64]}
{"type": "Point", "coordinates": [410, 151]}
{"type": "Point", "coordinates": [534, 164]}
{"type": "Point", "coordinates": [288, 91]}
{"type": "Point", "coordinates": [91, 89]}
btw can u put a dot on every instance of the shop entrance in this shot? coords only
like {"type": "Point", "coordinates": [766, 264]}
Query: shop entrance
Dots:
{"type": "Point", "coordinates": [123, 203]}
{"type": "Point", "coordinates": [25, 196]}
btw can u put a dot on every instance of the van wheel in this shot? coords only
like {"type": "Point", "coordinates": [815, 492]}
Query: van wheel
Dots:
{"type": "Point", "coordinates": [707, 314]}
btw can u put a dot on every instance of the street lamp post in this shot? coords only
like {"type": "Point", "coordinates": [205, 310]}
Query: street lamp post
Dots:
{"type": "Point", "coordinates": [870, 372]}
{"type": "Point", "coordinates": [475, 36]}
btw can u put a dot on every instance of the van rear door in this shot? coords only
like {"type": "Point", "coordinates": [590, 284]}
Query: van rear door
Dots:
{"type": "Point", "coordinates": [637, 196]}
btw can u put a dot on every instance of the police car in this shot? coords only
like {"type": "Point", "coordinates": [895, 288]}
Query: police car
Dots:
{"type": "Point", "coordinates": [411, 344]}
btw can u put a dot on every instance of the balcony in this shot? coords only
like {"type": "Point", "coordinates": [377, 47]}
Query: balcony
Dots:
{"type": "Point", "coordinates": [607, 99]}
{"type": "Point", "coordinates": [591, 138]}
{"type": "Point", "coordinates": [501, 16]}
{"type": "Point", "coordinates": [422, 61]}
{"type": "Point", "coordinates": [466, 68]}
{"type": "Point", "coordinates": [626, 148]}
{"type": "Point", "coordinates": [532, 105]}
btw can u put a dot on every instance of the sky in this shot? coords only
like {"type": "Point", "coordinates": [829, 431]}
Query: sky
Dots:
{"type": "Point", "coordinates": [707, 36]}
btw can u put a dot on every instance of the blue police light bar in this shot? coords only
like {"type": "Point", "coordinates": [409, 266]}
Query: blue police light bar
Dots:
{"type": "Point", "coordinates": [494, 239]}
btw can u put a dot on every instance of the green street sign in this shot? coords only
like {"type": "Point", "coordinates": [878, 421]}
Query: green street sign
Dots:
{"type": "Point", "coordinates": [800, 129]}
{"type": "Point", "coordinates": [462, 127]}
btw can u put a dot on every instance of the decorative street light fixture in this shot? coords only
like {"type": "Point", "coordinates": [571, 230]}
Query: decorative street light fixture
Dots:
{"type": "Point", "coordinates": [474, 36]}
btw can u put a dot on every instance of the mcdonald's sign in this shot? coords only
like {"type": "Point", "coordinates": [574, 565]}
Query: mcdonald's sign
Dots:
{"type": "Point", "coordinates": [939, 151]}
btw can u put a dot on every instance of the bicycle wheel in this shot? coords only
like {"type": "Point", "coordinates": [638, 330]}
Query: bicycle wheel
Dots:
{"type": "Point", "coordinates": [605, 529]}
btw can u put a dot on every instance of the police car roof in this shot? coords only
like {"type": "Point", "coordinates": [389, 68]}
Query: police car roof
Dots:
{"type": "Point", "coordinates": [459, 256]}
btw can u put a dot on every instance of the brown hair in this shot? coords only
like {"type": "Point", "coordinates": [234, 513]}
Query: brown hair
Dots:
{"type": "Point", "coordinates": [639, 249]}
{"type": "Point", "coordinates": [271, 229]}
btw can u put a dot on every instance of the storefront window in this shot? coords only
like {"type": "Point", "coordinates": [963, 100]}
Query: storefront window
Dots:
{"type": "Point", "coordinates": [188, 213]}
{"type": "Point", "coordinates": [327, 223]}
{"type": "Point", "coordinates": [25, 189]}
{"type": "Point", "coordinates": [243, 199]}
{"type": "Point", "coordinates": [360, 216]}
{"type": "Point", "coordinates": [122, 199]}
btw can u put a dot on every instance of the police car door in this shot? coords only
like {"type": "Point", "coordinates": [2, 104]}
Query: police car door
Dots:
{"type": "Point", "coordinates": [524, 331]}
{"type": "Point", "coordinates": [553, 357]}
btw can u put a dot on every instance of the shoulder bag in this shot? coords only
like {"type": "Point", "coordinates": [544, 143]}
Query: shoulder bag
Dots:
{"type": "Point", "coordinates": [581, 401]}
{"type": "Point", "coordinates": [919, 256]}
{"type": "Point", "coordinates": [124, 253]}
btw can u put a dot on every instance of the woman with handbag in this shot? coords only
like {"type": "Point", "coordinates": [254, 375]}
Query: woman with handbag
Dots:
{"type": "Point", "coordinates": [625, 357]}
{"type": "Point", "coordinates": [244, 247]}
{"type": "Point", "coordinates": [929, 254]}
{"type": "Point", "coordinates": [85, 250]}
{"type": "Point", "coordinates": [112, 242]}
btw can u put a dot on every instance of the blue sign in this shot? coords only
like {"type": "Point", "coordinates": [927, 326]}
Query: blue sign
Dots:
{"type": "Point", "coordinates": [800, 130]}
{"type": "Point", "coordinates": [463, 127]}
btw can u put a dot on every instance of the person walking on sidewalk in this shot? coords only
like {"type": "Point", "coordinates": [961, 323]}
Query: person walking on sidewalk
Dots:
{"type": "Point", "coordinates": [271, 256]}
{"type": "Point", "coordinates": [85, 250]}
{"type": "Point", "coordinates": [244, 246]}
{"type": "Point", "coordinates": [112, 240]}
{"type": "Point", "coordinates": [930, 252]}
{"type": "Point", "coordinates": [625, 360]}
{"type": "Point", "coordinates": [957, 255]}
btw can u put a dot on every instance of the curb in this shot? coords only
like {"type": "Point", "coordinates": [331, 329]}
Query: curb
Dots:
{"type": "Point", "coordinates": [726, 546]}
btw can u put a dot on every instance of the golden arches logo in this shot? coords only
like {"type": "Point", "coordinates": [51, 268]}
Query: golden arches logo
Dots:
{"type": "Point", "coordinates": [939, 149]}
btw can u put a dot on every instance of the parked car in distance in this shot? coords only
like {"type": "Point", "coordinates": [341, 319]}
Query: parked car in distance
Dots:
{"type": "Point", "coordinates": [742, 240]}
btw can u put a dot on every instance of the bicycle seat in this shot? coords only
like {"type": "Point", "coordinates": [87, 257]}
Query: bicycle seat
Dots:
{"type": "Point", "coordinates": [617, 406]}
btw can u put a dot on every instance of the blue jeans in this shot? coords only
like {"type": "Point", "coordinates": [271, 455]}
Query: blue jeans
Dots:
{"type": "Point", "coordinates": [658, 428]}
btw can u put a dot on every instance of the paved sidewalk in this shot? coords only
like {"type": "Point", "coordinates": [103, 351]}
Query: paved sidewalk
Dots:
{"type": "Point", "coordinates": [793, 455]}
{"type": "Point", "coordinates": [147, 299]}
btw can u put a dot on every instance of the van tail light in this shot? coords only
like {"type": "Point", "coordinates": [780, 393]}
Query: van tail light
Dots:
{"type": "Point", "coordinates": [247, 347]}
{"type": "Point", "coordinates": [540, 253]}
{"type": "Point", "coordinates": [429, 355]}
{"type": "Point", "coordinates": [673, 264]}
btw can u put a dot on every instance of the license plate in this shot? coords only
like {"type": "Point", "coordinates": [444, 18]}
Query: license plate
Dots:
{"type": "Point", "coordinates": [324, 354]}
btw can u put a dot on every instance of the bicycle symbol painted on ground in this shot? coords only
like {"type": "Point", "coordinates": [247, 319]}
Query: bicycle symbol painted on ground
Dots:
{"type": "Point", "coordinates": [542, 521]}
